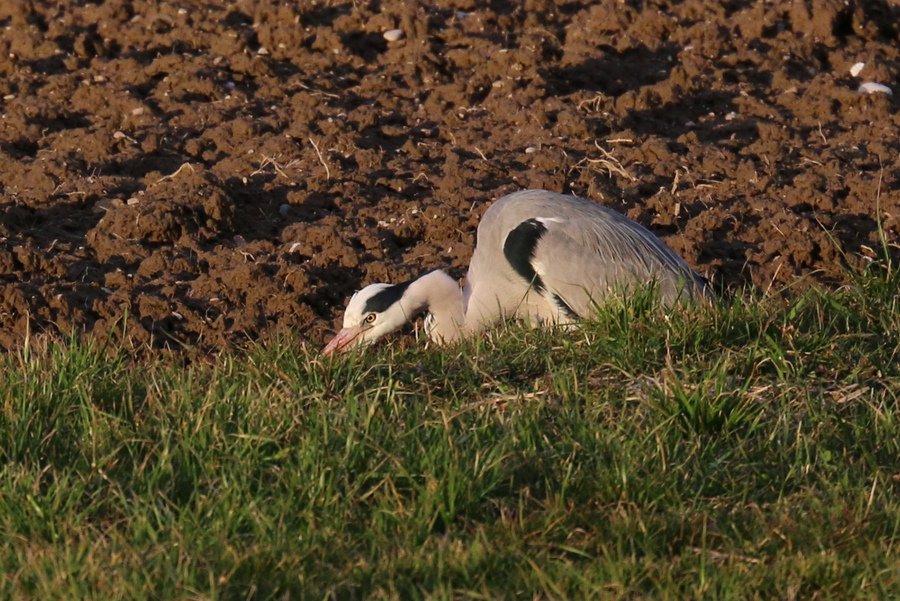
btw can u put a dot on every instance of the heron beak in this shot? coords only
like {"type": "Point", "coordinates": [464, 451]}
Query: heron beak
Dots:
{"type": "Point", "coordinates": [341, 341]}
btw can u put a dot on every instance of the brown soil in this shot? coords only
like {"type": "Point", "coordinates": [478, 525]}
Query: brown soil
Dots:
{"type": "Point", "coordinates": [207, 173]}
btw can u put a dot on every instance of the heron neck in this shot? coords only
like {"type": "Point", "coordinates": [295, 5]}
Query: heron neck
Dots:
{"type": "Point", "coordinates": [441, 296]}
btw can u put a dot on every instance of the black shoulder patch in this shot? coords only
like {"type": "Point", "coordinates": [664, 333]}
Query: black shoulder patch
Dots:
{"type": "Point", "coordinates": [387, 297]}
{"type": "Point", "coordinates": [519, 250]}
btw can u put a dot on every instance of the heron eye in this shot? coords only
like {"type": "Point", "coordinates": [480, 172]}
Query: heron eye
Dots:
{"type": "Point", "coordinates": [371, 317]}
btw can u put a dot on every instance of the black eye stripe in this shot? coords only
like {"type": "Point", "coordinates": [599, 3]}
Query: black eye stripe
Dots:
{"type": "Point", "coordinates": [387, 297]}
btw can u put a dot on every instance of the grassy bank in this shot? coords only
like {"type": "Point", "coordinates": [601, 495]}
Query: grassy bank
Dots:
{"type": "Point", "coordinates": [749, 451]}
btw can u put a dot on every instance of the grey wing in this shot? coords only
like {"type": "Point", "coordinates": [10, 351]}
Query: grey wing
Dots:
{"type": "Point", "coordinates": [580, 262]}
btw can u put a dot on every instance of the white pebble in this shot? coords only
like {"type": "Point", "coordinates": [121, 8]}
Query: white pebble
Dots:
{"type": "Point", "coordinates": [392, 35]}
{"type": "Point", "coordinates": [137, 111]}
{"type": "Point", "coordinates": [857, 69]}
{"type": "Point", "coordinates": [731, 116]}
{"type": "Point", "coordinates": [132, 201]}
{"type": "Point", "coordinates": [530, 150]}
{"type": "Point", "coordinates": [870, 87]}
{"type": "Point", "coordinates": [262, 50]}
{"type": "Point", "coordinates": [118, 135]}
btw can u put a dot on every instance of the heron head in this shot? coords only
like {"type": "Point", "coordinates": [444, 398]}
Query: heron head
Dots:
{"type": "Point", "coordinates": [372, 312]}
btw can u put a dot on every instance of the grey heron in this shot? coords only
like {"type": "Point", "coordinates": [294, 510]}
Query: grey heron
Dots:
{"type": "Point", "coordinates": [545, 257]}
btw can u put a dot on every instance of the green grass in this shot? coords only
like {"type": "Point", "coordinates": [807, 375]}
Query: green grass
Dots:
{"type": "Point", "coordinates": [750, 450]}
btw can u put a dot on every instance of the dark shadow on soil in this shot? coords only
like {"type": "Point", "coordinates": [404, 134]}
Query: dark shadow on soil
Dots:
{"type": "Point", "coordinates": [612, 72]}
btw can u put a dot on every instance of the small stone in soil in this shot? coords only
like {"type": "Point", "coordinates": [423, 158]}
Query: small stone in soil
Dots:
{"type": "Point", "coordinates": [871, 87]}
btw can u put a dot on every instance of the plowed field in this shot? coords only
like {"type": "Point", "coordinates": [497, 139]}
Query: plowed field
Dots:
{"type": "Point", "coordinates": [204, 173]}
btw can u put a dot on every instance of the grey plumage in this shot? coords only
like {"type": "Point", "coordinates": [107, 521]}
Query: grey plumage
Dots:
{"type": "Point", "coordinates": [584, 253]}
{"type": "Point", "coordinates": [539, 255]}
